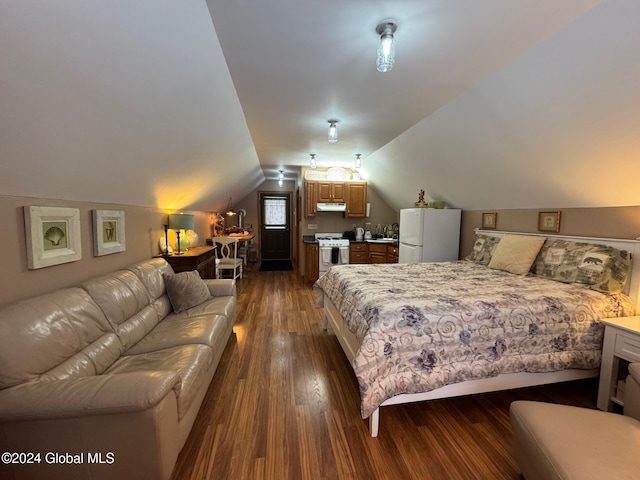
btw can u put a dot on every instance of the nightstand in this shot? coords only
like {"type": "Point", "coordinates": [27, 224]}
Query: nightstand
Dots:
{"type": "Point", "coordinates": [621, 343]}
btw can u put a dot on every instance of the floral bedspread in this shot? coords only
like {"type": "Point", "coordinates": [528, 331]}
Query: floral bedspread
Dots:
{"type": "Point", "coordinates": [427, 325]}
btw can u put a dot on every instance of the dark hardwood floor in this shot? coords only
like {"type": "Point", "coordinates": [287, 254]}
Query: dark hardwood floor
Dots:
{"type": "Point", "coordinates": [284, 404]}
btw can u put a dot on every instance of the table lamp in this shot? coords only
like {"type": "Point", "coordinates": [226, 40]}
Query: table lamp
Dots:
{"type": "Point", "coordinates": [179, 222]}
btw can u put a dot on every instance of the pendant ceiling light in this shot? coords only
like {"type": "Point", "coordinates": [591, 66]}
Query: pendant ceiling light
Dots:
{"type": "Point", "coordinates": [313, 160]}
{"type": "Point", "coordinates": [230, 211]}
{"type": "Point", "coordinates": [281, 178]}
{"type": "Point", "coordinates": [387, 46]}
{"type": "Point", "coordinates": [358, 160]}
{"type": "Point", "coordinates": [333, 131]}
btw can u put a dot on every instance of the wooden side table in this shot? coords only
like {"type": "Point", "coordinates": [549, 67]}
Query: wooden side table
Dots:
{"type": "Point", "coordinates": [202, 259]}
{"type": "Point", "coordinates": [621, 342]}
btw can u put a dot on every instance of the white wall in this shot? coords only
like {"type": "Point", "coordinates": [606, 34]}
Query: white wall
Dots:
{"type": "Point", "coordinates": [557, 127]}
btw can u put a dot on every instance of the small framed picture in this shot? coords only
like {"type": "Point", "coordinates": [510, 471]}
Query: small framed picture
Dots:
{"type": "Point", "coordinates": [108, 232]}
{"type": "Point", "coordinates": [489, 220]}
{"type": "Point", "coordinates": [549, 221]}
{"type": "Point", "coordinates": [53, 236]}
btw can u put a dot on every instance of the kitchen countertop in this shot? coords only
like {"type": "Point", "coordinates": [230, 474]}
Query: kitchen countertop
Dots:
{"type": "Point", "coordinates": [312, 239]}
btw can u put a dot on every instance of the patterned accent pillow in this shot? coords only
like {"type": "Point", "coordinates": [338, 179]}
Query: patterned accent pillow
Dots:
{"type": "Point", "coordinates": [483, 248]}
{"type": "Point", "coordinates": [599, 267]}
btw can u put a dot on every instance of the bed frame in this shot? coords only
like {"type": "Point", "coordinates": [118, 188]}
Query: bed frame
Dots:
{"type": "Point", "coordinates": [350, 343]}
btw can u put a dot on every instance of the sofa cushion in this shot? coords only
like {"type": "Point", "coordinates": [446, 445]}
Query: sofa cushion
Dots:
{"type": "Point", "coordinates": [186, 290]}
{"type": "Point", "coordinates": [191, 362]}
{"type": "Point", "coordinates": [125, 302]}
{"type": "Point", "coordinates": [150, 272]}
{"type": "Point", "coordinates": [206, 330]}
{"type": "Point", "coordinates": [61, 328]}
{"type": "Point", "coordinates": [214, 306]}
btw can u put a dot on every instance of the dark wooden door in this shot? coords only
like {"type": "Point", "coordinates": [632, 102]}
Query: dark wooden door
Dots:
{"type": "Point", "coordinates": [275, 226]}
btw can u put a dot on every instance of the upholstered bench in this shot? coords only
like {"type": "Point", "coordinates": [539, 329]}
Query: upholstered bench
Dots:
{"type": "Point", "coordinates": [563, 442]}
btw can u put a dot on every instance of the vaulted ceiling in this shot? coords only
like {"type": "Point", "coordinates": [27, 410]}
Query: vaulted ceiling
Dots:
{"type": "Point", "coordinates": [492, 104]}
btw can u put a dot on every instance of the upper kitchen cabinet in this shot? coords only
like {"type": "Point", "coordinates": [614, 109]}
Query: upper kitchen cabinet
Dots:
{"type": "Point", "coordinates": [356, 199]}
{"type": "Point", "coordinates": [310, 199]}
{"type": "Point", "coordinates": [331, 192]}
{"type": "Point", "coordinates": [336, 189]}
{"type": "Point", "coordinates": [352, 194]}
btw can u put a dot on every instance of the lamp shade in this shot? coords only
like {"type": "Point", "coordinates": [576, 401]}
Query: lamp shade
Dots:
{"type": "Point", "coordinates": [181, 221]}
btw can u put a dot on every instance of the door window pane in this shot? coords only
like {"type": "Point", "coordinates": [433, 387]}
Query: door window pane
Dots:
{"type": "Point", "coordinates": [275, 213]}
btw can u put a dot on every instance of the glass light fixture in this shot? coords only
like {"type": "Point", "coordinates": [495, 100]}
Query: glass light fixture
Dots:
{"type": "Point", "coordinates": [333, 131]}
{"type": "Point", "coordinates": [313, 160]}
{"type": "Point", "coordinates": [387, 47]}
{"type": "Point", "coordinates": [358, 161]}
{"type": "Point", "coordinates": [281, 178]}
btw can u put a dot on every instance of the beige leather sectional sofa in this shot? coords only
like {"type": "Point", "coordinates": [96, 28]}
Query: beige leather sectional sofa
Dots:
{"type": "Point", "coordinates": [105, 380]}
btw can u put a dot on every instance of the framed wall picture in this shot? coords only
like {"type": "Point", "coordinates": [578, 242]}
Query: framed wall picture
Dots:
{"type": "Point", "coordinates": [549, 221]}
{"type": "Point", "coordinates": [489, 220]}
{"type": "Point", "coordinates": [53, 236]}
{"type": "Point", "coordinates": [108, 232]}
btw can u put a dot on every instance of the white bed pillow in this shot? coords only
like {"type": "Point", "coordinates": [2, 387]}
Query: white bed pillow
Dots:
{"type": "Point", "coordinates": [516, 253]}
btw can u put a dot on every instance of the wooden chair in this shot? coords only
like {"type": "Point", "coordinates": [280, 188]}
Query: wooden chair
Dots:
{"type": "Point", "coordinates": [228, 248]}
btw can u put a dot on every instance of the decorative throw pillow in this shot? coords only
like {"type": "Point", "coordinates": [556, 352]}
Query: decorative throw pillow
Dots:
{"type": "Point", "coordinates": [599, 267]}
{"type": "Point", "coordinates": [516, 253]}
{"type": "Point", "coordinates": [186, 290]}
{"type": "Point", "coordinates": [483, 248]}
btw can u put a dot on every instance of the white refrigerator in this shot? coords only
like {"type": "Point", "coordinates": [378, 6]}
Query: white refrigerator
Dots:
{"type": "Point", "coordinates": [429, 235]}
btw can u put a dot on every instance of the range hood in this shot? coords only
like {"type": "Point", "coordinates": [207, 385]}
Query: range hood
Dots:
{"type": "Point", "coordinates": [331, 207]}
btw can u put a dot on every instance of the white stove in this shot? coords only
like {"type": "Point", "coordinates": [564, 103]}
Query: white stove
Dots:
{"type": "Point", "coordinates": [331, 240]}
{"type": "Point", "coordinates": [334, 250]}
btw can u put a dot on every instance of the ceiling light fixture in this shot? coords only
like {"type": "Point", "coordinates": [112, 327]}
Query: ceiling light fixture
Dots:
{"type": "Point", "coordinates": [281, 178]}
{"type": "Point", "coordinates": [313, 160]}
{"type": "Point", "coordinates": [333, 131]}
{"type": "Point", "coordinates": [358, 161]}
{"type": "Point", "coordinates": [387, 47]}
{"type": "Point", "coordinates": [230, 210]}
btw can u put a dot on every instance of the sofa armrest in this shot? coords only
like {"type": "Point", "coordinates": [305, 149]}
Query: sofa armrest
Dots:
{"type": "Point", "coordinates": [221, 287]}
{"type": "Point", "coordinates": [86, 396]}
{"type": "Point", "coordinates": [114, 426]}
{"type": "Point", "coordinates": [632, 392]}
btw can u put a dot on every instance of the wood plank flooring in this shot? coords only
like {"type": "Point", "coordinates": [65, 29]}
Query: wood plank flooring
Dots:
{"type": "Point", "coordinates": [284, 404]}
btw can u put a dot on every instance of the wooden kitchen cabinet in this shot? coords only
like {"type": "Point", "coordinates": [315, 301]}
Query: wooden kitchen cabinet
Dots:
{"type": "Point", "coordinates": [353, 194]}
{"type": "Point", "coordinates": [331, 192]}
{"type": "Point", "coordinates": [310, 199]}
{"type": "Point", "coordinates": [311, 262]}
{"type": "Point", "coordinates": [381, 253]}
{"type": "Point", "coordinates": [358, 253]}
{"type": "Point", "coordinates": [377, 253]}
{"type": "Point", "coordinates": [392, 253]}
{"type": "Point", "coordinates": [356, 199]}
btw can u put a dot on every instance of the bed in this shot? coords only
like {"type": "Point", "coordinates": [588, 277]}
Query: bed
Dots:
{"type": "Point", "coordinates": [415, 332]}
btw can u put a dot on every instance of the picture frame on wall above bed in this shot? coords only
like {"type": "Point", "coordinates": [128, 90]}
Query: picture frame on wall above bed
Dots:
{"type": "Point", "coordinates": [549, 221]}
{"type": "Point", "coordinates": [489, 220]}
{"type": "Point", "coordinates": [351, 343]}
